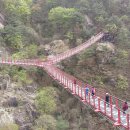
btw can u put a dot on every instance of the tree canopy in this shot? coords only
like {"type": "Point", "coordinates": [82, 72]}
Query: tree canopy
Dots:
{"type": "Point", "coordinates": [45, 100]}
{"type": "Point", "coordinates": [65, 17]}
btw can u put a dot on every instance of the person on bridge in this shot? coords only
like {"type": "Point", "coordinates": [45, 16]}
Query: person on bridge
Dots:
{"type": "Point", "coordinates": [87, 90]}
{"type": "Point", "coordinates": [107, 99]}
{"type": "Point", "coordinates": [93, 91]}
{"type": "Point", "coordinates": [74, 81]}
{"type": "Point", "coordinates": [125, 107]}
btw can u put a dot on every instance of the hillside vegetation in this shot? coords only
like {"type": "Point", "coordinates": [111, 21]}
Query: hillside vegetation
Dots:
{"type": "Point", "coordinates": [35, 29]}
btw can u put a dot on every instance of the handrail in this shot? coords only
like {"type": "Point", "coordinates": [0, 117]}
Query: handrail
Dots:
{"type": "Point", "coordinates": [77, 49]}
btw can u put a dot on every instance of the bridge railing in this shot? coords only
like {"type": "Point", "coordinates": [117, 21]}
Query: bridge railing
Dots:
{"type": "Point", "coordinates": [113, 112]}
{"type": "Point", "coordinates": [9, 60]}
{"type": "Point", "coordinates": [114, 100]}
{"type": "Point", "coordinates": [77, 49]}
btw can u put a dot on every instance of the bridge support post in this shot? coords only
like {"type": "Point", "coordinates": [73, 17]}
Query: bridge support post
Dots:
{"type": "Point", "coordinates": [74, 83]}
{"type": "Point", "coordinates": [105, 107]}
{"type": "Point", "coordinates": [62, 81]}
{"type": "Point", "coordinates": [94, 101]}
{"type": "Point", "coordinates": [59, 77]}
{"type": "Point", "coordinates": [82, 92]}
{"type": "Point", "coordinates": [111, 107]}
{"type": "Point", "coordinates": [65, 82]}
{"type": "Point", "coordinates": [89, 98]}
{"type": "Point", "coordinates": [116, 103]}
{"type": "Point", "coordinates": [128, 121]}
{"type": "Point", "coordinates": [118, 123]}
{"type": "Point", "coordinates": [98, 109]}
{"type": "Point", "coordinates": [78, 91]}
{"type": "Point", "coordinates": [111, 111]}
{"type": "Point", "coordinates": [72, 88]}
{"type": "Point", "coordinates": [84, 97]}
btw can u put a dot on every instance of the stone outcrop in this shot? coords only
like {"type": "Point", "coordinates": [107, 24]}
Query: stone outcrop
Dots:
{"type": "Point", "coordinates": [17, 104]}
{"type": "Point", "coordinates": [25, 115]}
{"type": "Point", "coordinates": [104, 52]}
{"type": "Point", "coordinates": [56, 47]}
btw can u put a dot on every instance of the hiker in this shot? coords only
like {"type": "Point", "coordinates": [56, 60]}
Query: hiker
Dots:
{"type": "Point", "coordinates": [125, 107]}
{"type": "Point", "coordinates": [87, 90]}
{"type": "Point", "coordinates": [75, 81]}
{"type": "Point", "coordinates": [107, 98]}
{"type": "Point", "coordinates": [93, 91]}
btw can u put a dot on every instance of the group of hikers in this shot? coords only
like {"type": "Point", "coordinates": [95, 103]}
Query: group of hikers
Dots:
{"type": "Point", "coordinates": [107, 99]}
{"type": "Point", "coordinates": [124, 106]}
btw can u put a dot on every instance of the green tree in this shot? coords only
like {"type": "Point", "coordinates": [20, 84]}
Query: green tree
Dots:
{"type": "Point", "coordinates": [62, 124]}
{"type": "Point", "coordinates": [31, 51]}
{"type": "Point", "coordinates": [111, 28]}
{"type": "Point", "coordinates": [123, 35]}
{"type": "Point", "coordinates": [19, 7]}
{"type": "Point", "coordinates": [122, 82]}
{"type": "Point", "coordinates": [19, 75]}
{"type": "Point", "coordinates": [45, 100]}
{"type": "Point", "coordinates": [64, 18]}
{"type": "Point", "coordinates": [13, 37]}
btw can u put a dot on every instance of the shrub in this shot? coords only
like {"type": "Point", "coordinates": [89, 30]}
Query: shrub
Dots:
{"type": "Point", "coordinates": [45, 122]}
{"type": "Point", "coordinates": [45, 100]}
{"type": "Point", "coordinates": [9, 127]}
{"type": "Point", "coordinates": [122, 82]}
{"type": "Point", "coordinates": [62, 124]}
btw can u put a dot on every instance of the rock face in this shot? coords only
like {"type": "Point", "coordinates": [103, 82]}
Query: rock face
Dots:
{"type": "Point", "coordinates": [88, 21]}
{"type": "Point", "coordinates": [17, 104]}
{"type": "Point", "coordinates": [104, 52]}
{"type": "Point", "coordinates": [56, 47]}
{"type": "Point", "coordinates": [4, 81]}
{"type": "Point", "coordinates": [25, 116]}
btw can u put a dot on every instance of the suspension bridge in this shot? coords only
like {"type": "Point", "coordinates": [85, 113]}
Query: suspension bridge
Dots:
{"type": "Point", "coordinates": [113, 113]}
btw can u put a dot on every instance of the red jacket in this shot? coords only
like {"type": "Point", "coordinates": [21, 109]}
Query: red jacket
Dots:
{"type": "Point", "coordinates": [125, 107]}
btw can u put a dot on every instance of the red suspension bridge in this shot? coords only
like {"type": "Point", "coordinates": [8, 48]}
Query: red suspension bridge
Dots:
{"type": "Point", "coordinates": [113, 113]}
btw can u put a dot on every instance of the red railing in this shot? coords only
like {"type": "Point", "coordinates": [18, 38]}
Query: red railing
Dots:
{"type": "Point", "coordinates": [77, 49]}
{"type": "Point", "coordinates": [98, 103]}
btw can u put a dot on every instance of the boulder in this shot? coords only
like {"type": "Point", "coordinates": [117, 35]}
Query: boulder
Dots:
{"type": "Point", "coordinates": [111, 81]}
{"type": "Point", "coordinates": [101, 47]}
{"type": "Point", "coordinates": [30, 88]}
{"type": "Point", "coordinates": [11, 102]}
{"type": "Point", "coordinates": [47, 47]}
{"type": "Point", "coordinates": [104, 52]}
{"type": "Point", "coordinates": [58, 46]}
